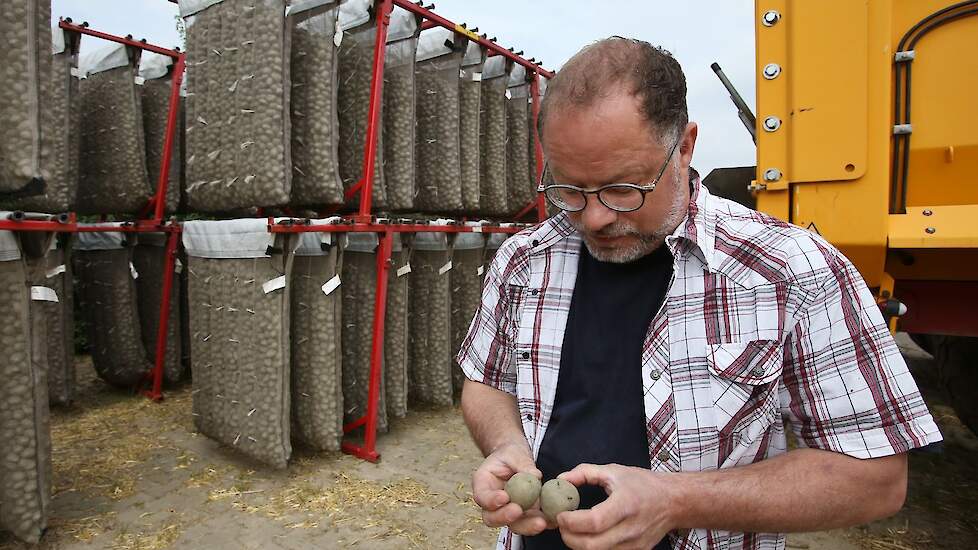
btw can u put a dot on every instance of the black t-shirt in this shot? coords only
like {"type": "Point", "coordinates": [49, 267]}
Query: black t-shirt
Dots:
{"type": "Point", "coordinates": [599, 410]}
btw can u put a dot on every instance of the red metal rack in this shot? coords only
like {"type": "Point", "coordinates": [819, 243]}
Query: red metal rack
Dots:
{"type": "Point", "coordinates": [361, 221]}
{"type": "Point", "coordinates": [155, 204]}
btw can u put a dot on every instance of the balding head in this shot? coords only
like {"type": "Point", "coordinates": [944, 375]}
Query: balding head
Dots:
{"type": "Point", "coordinates": [616, 65]}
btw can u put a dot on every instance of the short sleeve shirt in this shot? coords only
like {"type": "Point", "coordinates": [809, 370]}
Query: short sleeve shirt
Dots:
{"type": "Point", "coordinates": [764, 322]}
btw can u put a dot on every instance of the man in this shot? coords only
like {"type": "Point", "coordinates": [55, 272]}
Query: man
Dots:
{"type": "Point", "coordinates": [647, 343]}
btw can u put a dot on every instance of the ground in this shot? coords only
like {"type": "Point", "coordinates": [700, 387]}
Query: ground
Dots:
{"type": "Point", "coordinates": [132, 474]}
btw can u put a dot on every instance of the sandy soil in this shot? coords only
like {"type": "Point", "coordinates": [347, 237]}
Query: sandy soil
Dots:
{"type": "Point", "coordinates": [130, 474]}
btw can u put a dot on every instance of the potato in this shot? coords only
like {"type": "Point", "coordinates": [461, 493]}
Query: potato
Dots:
{"type": "Point", "coordinates": [558, 496]}
{"type": "Point", "coordinates": [523, 489]}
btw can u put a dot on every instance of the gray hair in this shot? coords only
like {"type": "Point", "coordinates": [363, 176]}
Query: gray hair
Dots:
{"type": "Point", "coordinates": [647, 72]}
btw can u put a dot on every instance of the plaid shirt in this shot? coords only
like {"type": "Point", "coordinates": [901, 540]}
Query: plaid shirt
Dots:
{"type": "Point", "coordinates": [763, 321]}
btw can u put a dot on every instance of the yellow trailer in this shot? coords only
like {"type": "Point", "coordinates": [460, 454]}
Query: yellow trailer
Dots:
{"type": "Point", "coordinates": [867, 132]}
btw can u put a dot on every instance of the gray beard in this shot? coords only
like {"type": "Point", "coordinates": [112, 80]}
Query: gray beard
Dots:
{"type": "Point", "coordinates": [643, 245]}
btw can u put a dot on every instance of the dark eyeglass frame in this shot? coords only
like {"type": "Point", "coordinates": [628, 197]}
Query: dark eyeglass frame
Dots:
{"type": "Point", "coordinates": [643, 189]}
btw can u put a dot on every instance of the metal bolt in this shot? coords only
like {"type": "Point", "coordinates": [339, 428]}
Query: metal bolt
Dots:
{"type": "Point", "coordinates": [771, 71]}
{"type": "Point", "coordinates": [758, 371]}
{"type": "Point", "coordinates": [772, 174]}
{"type": "Point", "coordinates": [930, 230]}
{"type": "Point", "coordinates": [655, 374]}
{"type": "Point", "coordinates": [770, 18]}
{"type": "Point", "coordinates": [772, 123]}
{"type": "Point", "coordinates": [928, 212]}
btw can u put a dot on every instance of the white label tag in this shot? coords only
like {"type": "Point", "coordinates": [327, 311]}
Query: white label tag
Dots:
{"type": "Point", "coordinates": [403, 270]}
{"type": "Point", "coordinates": [445, 268]}
{"type": "Point", "coordinates": [139, 80]}
{"type": "Point", "coordinates": [43, 294]}
{"type": "Point", "coordinates": [274, 284]}
{"type": "Point", "coordinates": [476, 77]}
{"type": "Point", "coordinates": [331, 285]}
{"type": "Point", "coordinates": [178, 266]}
{"type": "Point", "coordinates": [77, 73]}
{"type": "Point", "coordinates": [481, 270]}
{"type": "Point", "coordinates": [132, 271]}
{"type": "Point", "coordinates": [55, 271]}
{"type": "Point", "coordinates": [477, 229]}
{"type": "Point", "coordinates": [509, 95]}
{"type": "Point", "coordinates": [338, 38]}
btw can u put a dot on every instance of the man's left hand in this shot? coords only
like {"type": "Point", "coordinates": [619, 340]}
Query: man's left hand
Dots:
{"type": "Point", "coordinates": [635, 515]}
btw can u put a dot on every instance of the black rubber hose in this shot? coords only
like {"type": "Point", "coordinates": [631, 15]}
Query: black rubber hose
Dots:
{"type": "Point", "coordinates": [904, 176]}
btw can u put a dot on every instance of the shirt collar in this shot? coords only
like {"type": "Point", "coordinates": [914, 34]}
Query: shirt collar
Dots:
{"type": "Point", "coordinates": [698, 228]}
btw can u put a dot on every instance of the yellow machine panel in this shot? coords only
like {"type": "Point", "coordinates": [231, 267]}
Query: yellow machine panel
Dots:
{"type": "Point", "coordinates": [943, 167]}
{"type": "Point", "coordinates": [826, 124]}
{"type": "Point", "coordinates": [832, 145]}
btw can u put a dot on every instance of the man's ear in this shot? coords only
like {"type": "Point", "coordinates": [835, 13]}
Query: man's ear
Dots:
{"type": "Point", "coordinates": [688, 144]}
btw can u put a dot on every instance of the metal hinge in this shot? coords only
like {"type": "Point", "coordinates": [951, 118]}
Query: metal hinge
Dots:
{"type": "Point", "coordinates": [901, 129]}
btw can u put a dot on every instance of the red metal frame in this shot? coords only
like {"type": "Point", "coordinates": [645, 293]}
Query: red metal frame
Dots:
{"type": "Point", "coordinates": [938, 307]}
{"type": "Point", "coordinates": [156, 203]}
{"type": "Point", "coordinates": [361, 221]}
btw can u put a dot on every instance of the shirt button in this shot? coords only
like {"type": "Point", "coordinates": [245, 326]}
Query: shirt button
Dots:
{"type": "Point", "coordinates": [536, 243]}
{"type": "Point", "coordinates": [529, 417]}
{"type": "Point", "coordinates": [534, 292]}
{"type": "Point", "coordinates": [655, 374]}
{"type": "Point", "coordinates": [526, 355]}
{"type": "Point", "coordinates": [758, 371]}
{"type": "Point", "coordinates": [663, 456]}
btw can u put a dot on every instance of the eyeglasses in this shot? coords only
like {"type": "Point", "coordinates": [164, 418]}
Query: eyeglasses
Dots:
{"type": "Point", "coordinates": [620, 197]}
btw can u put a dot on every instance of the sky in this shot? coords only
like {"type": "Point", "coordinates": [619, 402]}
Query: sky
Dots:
{"type": "Point", "coordinates": [697, 32]}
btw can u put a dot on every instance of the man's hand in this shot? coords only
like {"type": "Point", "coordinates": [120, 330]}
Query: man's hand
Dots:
{"type": "Point", "coordinates": [488, 489]}
{"type": "Point", "coordinates": [635, 515]}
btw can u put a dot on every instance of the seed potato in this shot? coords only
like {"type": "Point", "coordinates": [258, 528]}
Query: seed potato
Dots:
{"type": "Point", "coordinates": [558, 496]}
{"type": "Point", "coordinates": [523, 489]}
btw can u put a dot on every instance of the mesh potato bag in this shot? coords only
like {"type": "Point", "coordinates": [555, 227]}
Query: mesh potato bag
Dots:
{"type": "Point", "coordinates": [356, 57]}
{"type": "Point", "coordinates": [439, 58]}
{"type": "Point", "coordinates": [493, 131]}
{"type": "Point", "coordinates": [25, 461]}
{"type": "Point", "coordinates": [107, 298]}
{"type": "Point", "coordinates": [470, 94]}
{"type": "Point", "coordinates": [113, 177]}
{"type": "Point", "coordinates": [396, 330]}
{"type": "Point", "coordinates": [157, 73]}
{"type": "Point", "coordinates": [60, 134]}
{"type": "Point", "coordinates": [239, 324]}
{"type": "Point", "coordinates": [315, 126]}
{"type": "Point", "coordinates": [317, 359]}
{"type": "Point", "coordinates": [25, 64]}
{"type": "Point", "coordinates": [60, 319]}
{"type": "Point", "coordinates": [531, 124]}
{"type": "Point", "coordinates": [359, 298]}
{"type": "Point", "coordinates": [238, 91]}
{"type": "Point", "coordinates": [466, 284]}
{"type": "Point", "coordinates": [430, 367]}
{"type": "Point", "coordinates": [520, 190]}
{"type": "Point", "coordinates": [399, 116]}
{"type": "Point", "coordinates": [149, 259]}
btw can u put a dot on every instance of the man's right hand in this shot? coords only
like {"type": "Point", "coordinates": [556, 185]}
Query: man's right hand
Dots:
{"type": "Point", "coordinates": [488, 490]}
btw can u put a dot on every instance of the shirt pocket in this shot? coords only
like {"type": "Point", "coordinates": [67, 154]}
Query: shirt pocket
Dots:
{"type": "Point", "coordinates": [744, 380]}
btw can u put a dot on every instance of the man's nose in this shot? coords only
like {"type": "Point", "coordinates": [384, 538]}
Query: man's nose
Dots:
{"type": "Point", "coordinates": [596, 216]}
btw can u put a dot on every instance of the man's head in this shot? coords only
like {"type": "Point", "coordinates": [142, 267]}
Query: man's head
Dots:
{"type": "Point", "coordinates": [611, 115]}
